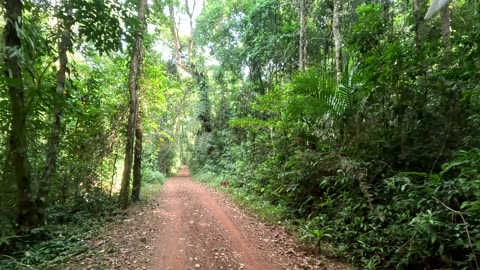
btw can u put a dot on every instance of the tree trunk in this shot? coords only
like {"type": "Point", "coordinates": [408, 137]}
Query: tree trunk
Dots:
{"type": "Point", "coordinates": [54, 140]}
{"type": "Point", "coordinates": [132, 86]}
{"type": "Point", "coordinates": [204, 111]}
{"type": "Point", "coordinates": [27, 212]}
{"type": "Point", "coordinates": [446, 29]}
{"type": "Point", "coordinates": [388, 16]}
{"type": "Point", "coordinates": [137, 164]}
{"type": "Point", "coordinates": [337, 36]}
{"type": "Point", "coordinates": [200, 78]}
{"type": "Point", "coordinates": [302, 51]}
{"type": "Point", "coordinates": [418, 11]}
{"type": "Point", "coordinates": [114, 173]}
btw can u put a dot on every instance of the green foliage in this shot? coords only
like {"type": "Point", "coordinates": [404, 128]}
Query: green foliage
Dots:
{"type": "Point", "coordinates": [420, 211]}
{"type": "Point", "coordinates": [315, 95]}
{"type": "Point", "coordinates": [82, 192]}
{"type": "Point", "coordinates": [48, 246]}
{"type": "Point", "coordinates": [152, 177]}
{"type": "Point", "coordinates": [100, 22]}
{"type": "Point", "coordinates": [368, 29]}
{"type": "Point", "coordinates": [355, 165]}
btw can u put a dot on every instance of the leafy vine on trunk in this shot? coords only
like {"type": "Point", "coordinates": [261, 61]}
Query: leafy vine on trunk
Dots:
{"type": "Point", "coordinates": [133, 87]}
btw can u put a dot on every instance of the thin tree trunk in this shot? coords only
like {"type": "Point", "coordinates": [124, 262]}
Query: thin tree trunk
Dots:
{"type": "Point", "coordinates": [27, 212]}
{"type": "Point", "coordinates": [418, 7]}
{"type": "Point", "coordinates": [337, 36]}
{"type": "Point", "coordinates": [176, 41]}
{"type": "Point", "coordinates": [6, 168]}
{"type": "Point", "coordinates": [132, 85]}
{"type": "Point", "coordinates": [446, 29]}
{"type": "Point", "coordinates": [388, 17]}
{"type": "Point", "coordinates": [127, 164]}
{"type": "Point", "coordinates": [137, 164]}
{"type": "Point", "coordinates": [302, 51]}
{"type": "Point", "coordinates": [114, 173]}
{"type": "Point", "coordinates": [54, 140]}
{"type": "Point", "coordinates": [204, 112]}
{"type": "Point", "coordinates": [64, 187]}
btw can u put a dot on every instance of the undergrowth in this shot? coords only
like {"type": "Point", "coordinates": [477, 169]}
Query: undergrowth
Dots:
{"type": "Point", "coordinates": [151, 184]}
{"type": "Point", "coordinates": [401, 222]}
{"type": "Point", "coordinates": [70, 227]}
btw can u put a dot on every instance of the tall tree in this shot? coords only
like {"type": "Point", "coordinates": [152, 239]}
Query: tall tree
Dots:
{"type": "Point", "coordinates": [446, 29]}
{"type": "Point", "coordinates": [27, 212]}
{"type": "Point", "coordinates": [54, 139]}
{"type": "Point", "coordinates": [133, 82]}
{"type": "Point", "coordinates": [337, 36]}
{"type": "Point", "coordinates": [189, 66]}
{"type": "Point", "coordinates": [302, 50]}
{"type": "Point", "coordinates": [418, 19]}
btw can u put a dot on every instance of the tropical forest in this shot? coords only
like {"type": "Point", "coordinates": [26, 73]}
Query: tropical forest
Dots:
{"type": "Point", "coordinates": [240, 134]}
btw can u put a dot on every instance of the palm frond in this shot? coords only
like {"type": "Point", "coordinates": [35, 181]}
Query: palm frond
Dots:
{"type": "Point", "coordinates": [316, 94]}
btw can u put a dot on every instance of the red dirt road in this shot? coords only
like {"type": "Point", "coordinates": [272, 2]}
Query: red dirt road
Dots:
{"type": "Point", "coordinates": [204, 230]}
{"type": "Point", "coordinates": [202, 233]}
{"type": "Point", "coordinates": [191, 226]}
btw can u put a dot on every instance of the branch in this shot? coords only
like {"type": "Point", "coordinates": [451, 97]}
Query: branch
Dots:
{"type": "Point", "coordinates": [190, 17]}
{"type": "Point", "coordinates": [185, 67]}
{"type": "Point", "coordinates": [466, 229]}
{"type": "Point", "coordinates": [176, 41]}
{"type": "Point", "coordinates": [173, 29]}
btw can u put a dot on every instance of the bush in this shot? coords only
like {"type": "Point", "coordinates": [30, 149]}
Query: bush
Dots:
{"type": "Point", "coordinates": [69, 224]}
{"type": "Point", "coordinates": [152, 177]}
{"type": "Point", "coordinates": [409, 220]}
{"type": "Point", "coordinates": [416, 219]}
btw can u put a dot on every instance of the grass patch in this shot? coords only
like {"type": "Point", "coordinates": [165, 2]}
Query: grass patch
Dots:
{"type": "Point", "coordinates": [152, 182]}
{"type": "Point", "coordinates": [150, 191]}
{"type": "Point", "coordinates": [208, 178]}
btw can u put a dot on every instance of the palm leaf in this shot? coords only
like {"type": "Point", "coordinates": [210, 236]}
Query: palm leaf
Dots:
{"type": "Point", "coordinates": [315, 94]}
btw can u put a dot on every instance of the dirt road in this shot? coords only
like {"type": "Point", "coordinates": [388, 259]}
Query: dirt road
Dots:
{"type": "Point", "coordinates": [191, 226]}
{"type": "Point", "coordinates": [202, 232]}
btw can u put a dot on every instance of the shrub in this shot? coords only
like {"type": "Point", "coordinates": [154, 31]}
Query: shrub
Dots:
{"type": "Point", "coordinates": [152, 177]}
{"type": "Point", "coordinates": [416, 219]}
